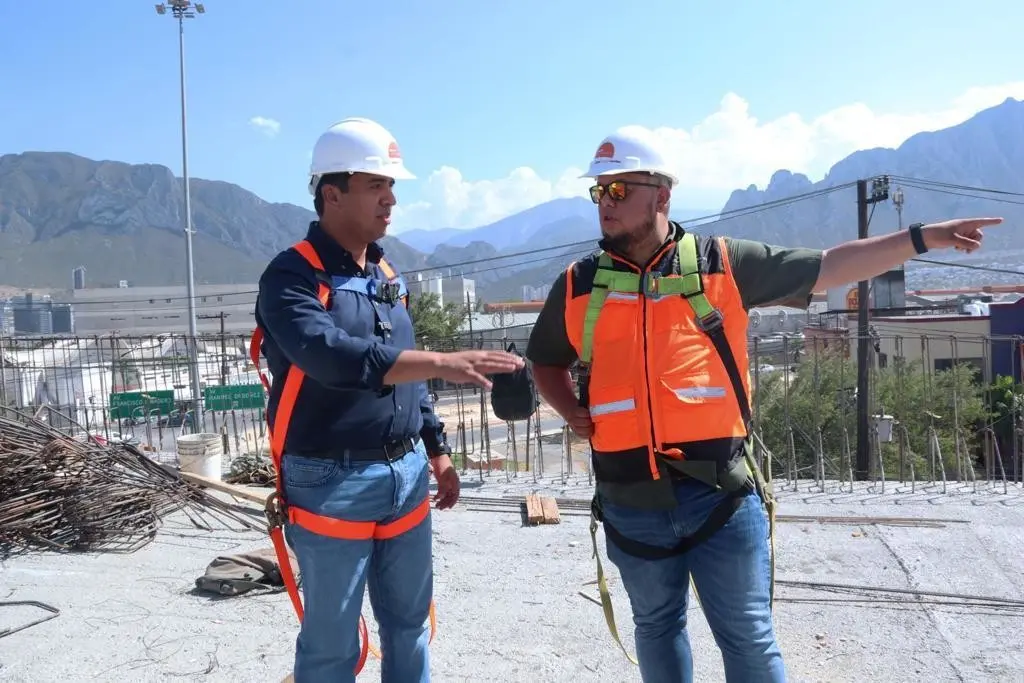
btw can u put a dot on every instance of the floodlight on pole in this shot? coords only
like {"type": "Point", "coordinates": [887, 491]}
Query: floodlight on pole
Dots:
{"type": "Point", "coordinates": [181, 10]}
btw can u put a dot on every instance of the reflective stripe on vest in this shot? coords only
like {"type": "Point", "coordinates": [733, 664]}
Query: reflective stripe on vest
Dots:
{"type": "Point", "coordinates": [665, 365]}
{"type": "Point", "coordinates": [277, 510]}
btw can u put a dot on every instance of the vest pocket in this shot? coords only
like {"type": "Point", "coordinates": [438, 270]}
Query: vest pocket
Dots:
{"type": "Point", "coordinates": [694, 406]}
{"type": "Point", "coordinates": [613, 410]}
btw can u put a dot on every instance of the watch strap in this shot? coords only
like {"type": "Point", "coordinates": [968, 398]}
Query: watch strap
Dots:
{"type": "Point", "coordinates": [917, 238]}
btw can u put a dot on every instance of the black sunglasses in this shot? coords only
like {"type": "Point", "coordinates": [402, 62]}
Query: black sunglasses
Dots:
{"type": "Point", "coordinates": [618, 190]}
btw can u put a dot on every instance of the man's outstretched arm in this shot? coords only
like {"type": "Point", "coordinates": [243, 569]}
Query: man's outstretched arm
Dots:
{"type": "Point", "coordinates": [769, 275]}
{"type": "Point", "coordinates": [858, 260]}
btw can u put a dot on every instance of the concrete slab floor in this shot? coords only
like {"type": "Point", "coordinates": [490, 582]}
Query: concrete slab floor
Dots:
{"type": "Point", "coordinates": [508, 602]}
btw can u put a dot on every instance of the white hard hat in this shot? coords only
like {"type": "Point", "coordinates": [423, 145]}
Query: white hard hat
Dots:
{"type": "Point", "coordinates": [632, 149]}
{"type": "Point", "coordinates": [357, 145]}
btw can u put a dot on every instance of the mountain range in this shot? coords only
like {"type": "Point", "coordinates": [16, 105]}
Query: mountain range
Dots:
{"type": "Point", "coordinates": [59, 210]}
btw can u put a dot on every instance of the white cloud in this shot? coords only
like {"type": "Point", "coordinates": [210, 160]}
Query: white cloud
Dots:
{"type": "Point", "coordinates": [449, 200]}
{"type": "Point", "coordinates": [729, 149]}
{"type": "Point", "coordinates": [268, 127]}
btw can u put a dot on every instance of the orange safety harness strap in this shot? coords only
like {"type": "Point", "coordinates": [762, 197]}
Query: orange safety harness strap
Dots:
{"type": "Point", "coordinates": [277, 511]}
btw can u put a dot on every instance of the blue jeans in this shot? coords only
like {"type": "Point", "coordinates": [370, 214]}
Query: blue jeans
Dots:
{"type": "Point", "coordinates": [732, 575]}
{"type": "Point", "coordinates": [335, 572]}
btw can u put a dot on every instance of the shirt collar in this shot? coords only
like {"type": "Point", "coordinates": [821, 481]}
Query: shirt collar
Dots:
{"type": "Point", "coordinates": [333, 255]}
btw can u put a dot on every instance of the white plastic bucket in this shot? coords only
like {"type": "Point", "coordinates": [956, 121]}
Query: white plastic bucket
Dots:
{"type": "Point", "coordinates": [200, 454]}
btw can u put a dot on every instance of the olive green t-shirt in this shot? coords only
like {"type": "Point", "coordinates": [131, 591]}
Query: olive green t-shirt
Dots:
{"type": "Point", "coordinates": [765, 275]}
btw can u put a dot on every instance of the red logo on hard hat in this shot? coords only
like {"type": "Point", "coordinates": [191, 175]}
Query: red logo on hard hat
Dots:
{"type": "Point", "coordinates": [605, 151]}
{"type": "Point", "coordinates": [393, 151]}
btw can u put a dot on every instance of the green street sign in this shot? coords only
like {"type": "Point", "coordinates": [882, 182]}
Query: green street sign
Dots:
{"type": "Point", "coordinates": [141, 403]}
{"type": "Point", "coordinates": [234, 397]}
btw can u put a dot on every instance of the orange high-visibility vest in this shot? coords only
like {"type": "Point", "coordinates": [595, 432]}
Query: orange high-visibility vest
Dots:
{"type": "Point", "coordinates": [278, 511]}
{"type": "Point", "coordinates": [664, 360]}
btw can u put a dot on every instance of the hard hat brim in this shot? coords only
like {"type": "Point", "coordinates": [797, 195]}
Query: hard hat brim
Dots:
{"type": "Point", "coordinates": [597, 170]}
{"type": "Point", "coordinates": [393, 171]}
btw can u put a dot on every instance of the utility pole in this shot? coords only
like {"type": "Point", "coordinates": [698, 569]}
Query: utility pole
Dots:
{"type": "Point", "coordinates": [223, 350]}
{"type": "Point", "coordinates": [879, 192]}
{"type": "Point", "coordinates": [223, 343]}
{"type": "Point", "coordinates": [182, 10]}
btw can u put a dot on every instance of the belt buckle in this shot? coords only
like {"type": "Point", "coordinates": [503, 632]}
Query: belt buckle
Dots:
{"type": "Point", "coordinates": [396, 450]}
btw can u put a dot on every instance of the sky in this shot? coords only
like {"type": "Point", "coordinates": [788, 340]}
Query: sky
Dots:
{"type": "Point", "coordinates": [498, 106]}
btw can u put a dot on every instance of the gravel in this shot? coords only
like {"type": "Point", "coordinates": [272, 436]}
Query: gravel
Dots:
{"type": "Point", "coordinates": [509, 604]}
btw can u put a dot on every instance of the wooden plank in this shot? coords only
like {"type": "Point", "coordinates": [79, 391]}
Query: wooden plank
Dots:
{"type": "Point", "coordinates": [550, 509]}
{"type": "Point", "coordinates": [534, 511]}
{"type": "Point", "coordinates": [243, 492]}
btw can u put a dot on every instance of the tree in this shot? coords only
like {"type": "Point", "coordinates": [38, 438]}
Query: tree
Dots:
{"type": "Point", "coordinates": [810, 408]}
{"type": "Point", "coordinates": [436, 323]}
{"type": "Point", "coordinates": [1006, 402]}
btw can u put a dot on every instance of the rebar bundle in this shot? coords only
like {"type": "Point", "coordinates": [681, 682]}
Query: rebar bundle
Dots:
{"type": "Point", "coordinates": [61, 493]}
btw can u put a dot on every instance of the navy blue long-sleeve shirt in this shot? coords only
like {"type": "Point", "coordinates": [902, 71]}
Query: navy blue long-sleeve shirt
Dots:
{"type": "Point", "coordinates": [344, 352]}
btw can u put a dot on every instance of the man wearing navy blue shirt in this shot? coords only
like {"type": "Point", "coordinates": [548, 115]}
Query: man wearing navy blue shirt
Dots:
{"type": "Point", "coordinates": [362, 435]}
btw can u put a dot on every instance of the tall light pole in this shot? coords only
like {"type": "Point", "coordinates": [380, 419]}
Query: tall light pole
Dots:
{"type": "Point", "coordinates": [182, 10]}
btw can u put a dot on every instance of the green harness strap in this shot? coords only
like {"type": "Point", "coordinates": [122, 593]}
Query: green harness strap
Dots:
{"type": "Point", "coordinates": [689, 284]}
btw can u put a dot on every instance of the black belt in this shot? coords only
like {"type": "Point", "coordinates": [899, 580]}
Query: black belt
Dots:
{"type": "Point", "coordinates": [389, 452]}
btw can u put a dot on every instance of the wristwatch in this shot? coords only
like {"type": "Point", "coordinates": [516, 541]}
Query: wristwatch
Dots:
{"type": "Point", "coordinates": [917, 238]}
{"type": "Point", "coordinates": [442, 449]}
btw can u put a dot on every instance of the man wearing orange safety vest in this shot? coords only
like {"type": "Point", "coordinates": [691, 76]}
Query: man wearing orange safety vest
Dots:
{"type": "Point", "coordinates": [353, 433]}
{"type": "Point", "coordinates": [658, 323]}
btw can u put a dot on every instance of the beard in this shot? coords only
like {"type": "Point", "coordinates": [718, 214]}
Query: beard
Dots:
{"type": "Point", "coordinates": [628, 241]}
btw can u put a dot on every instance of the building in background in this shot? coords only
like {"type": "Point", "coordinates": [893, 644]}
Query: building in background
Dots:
{"type": "Point", "coordinates": [531, 293]}
{"type": "Point", "coordinates": [78, 278]}
{"type": "Point", "coordinates": [452, 289]}
{"type": "Point", "coordinates": [32, 315]}
{"type": "Point", "coordinates": [162, 310]}
{"type": "Point", "coordinates": [62, 319]}
{"type": "Point", "coordinates": [1006, 326]}
{"type": "Point", "coordinates": [930, 343]}
{"type": "Point", "coordinates": [419, 283]}
{"type": "Point", "coordinates": [35, 315]}
{"type": "Point", "coordinates": [888, 290]}
{"type": "Point", "coordinates": [6, 318]}
{"type": "Point", "coordinates": [459, 290]}
{"type": "Point", "coordinates": [932, 330]}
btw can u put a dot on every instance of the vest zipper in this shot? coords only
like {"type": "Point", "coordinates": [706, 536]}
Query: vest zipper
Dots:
{"type": "Point", "coordinates": [647, 356]}
{"type": "Point", "coordinates": [647, 382]}
{"type": "Point", "coordinates": [647, 370]}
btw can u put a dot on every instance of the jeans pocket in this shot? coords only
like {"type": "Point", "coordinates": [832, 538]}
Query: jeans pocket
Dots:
{"type": "Point", "coordinates": [645, 526]}
{"type": "Point", "coordinates": [307, 473]}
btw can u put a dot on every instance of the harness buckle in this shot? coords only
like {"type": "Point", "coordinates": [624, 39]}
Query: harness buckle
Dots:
{"type": "Point", "coordinates": [275, 511]}
{"type": "Point", "coordinates": [712, 321]}
{"type": "Point", "coordinates": [649, 284]}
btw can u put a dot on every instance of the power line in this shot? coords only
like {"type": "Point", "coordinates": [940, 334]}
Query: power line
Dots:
{"type": "Point", "coordinates": [938, 185]}
{"type": "Point", "coordinates": [968, 266]}
{"type": "Point", "coordinates": [591, 245]}
{"type": "Point", "coordinates": [969, 192]}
